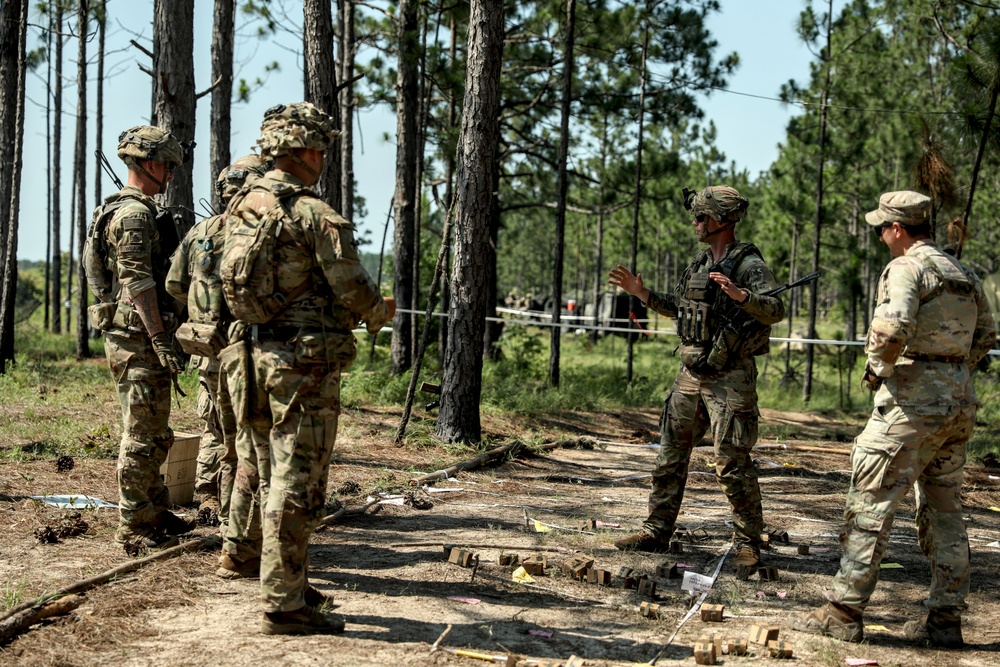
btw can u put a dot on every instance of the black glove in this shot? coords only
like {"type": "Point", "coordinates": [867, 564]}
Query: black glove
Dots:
{"type": "Point", "coordinates": [869, 380]}
{"type": "Point", "coordinates": [164, 348]}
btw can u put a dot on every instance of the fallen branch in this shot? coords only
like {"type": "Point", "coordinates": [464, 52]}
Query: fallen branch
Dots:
{"type": "Point", "coordinates": [343, 511]}
{"type": "Point", "coordinates": [501, 547]}
{"type": "Point", "coordinates": [14, 625]}
{"type": "Point", "coordinates": [504, 451]}
{"type": "Point", "coordinates": [187, 547]}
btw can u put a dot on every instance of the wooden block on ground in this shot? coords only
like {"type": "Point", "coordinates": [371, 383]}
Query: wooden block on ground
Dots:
{"type": "Point", "coordinates": [738, 647]}
{"type": "Point", "coordinates": [768, 573]}
{"type": "Point", "coordinates": [704, 653]}
{"type": "Point", "coordinates": [765, 541]}
{"type": "Point", "coordinates": [533, 567]}
{"type": "Point", "coordinates": [508, 559]}
{"type": "Point", "coordinates": [779, 536]}
{"type": "Point", "coordinates": [587, 524]}
{"type": "Point", "coordinates": [762, 634]}
{"type": "Point", "coordinates": [676, 547]}
{"type": "Point", "coordinates": [668, 571]}
{"type": "Point", "coordinates": [779, 649]}
{"type": "Point", "coordinates": [574, 661]}
{"type": "Point", "coordinates": [712, 613]}
{"type": "Point", "coordinates": [624, 571]}
{"type": "Point", "coordinates": [630, 583]}
{"type": "Point", "coordinates": [647, 587]}
{"type": "Point", "coordinates": [649, 610]}
{"type": "Point", "coordinates": [599, 577]}
{"type": "Point", "coordinates": [803, 549]}
{"type": "Point", "coordinates": [461, 557]}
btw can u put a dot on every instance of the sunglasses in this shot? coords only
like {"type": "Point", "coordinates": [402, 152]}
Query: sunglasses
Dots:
{"type": "Point", "coordinates": [881, 230]}
{"type": "Point", "coordinates": [702, 217]}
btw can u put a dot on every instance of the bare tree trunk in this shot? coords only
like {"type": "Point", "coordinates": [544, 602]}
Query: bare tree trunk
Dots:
{"type": "Point", "coordinates": [57, 177]}
{"type": "Point", "coordinates": [493, 330]}
{"type": "Point", "coordinates": [222, 92]}
{"type": "Point", "coordinates": [632, 301]}
{"type": "Point", "coordinates": [407, 112]}
{"type": "Point", "coordinates": [48, 172]}
{"type": "Point", "coordinates": [561, 188]}
{"type": "Point", "coordinates": [817, 228]}
{"type": "Point", "coordinates": [461, 385]}
{"type": "Point", "coordinates": [983, 140]}
{"type": "Point", "coordinates": [321, 84]}
{"type": "Point", "coordinates": [82, 324]}
{"type": "Point", "coordinates": [174, 94]}
{"type": "Point", "coordinates": [347, 55]}
{"type": "Point", "coordinates": [68, 301]}
{"type": "Point", "coordinates": [449, 182]}
{"type": "Point", "coordinates": [13, 61]}
{"type": "Point", "coordinates": [101, 16]}
{"type": "Point", "coordinates": [599, 240]}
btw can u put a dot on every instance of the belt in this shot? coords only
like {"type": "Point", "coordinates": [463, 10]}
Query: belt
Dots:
{"type": "Point", "coordinates": [954, 359]}
{"type": "Point", "coordinates": [280, 332]}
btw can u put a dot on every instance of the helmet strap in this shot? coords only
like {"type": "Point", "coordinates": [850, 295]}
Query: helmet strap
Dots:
{"type": "Point", "coordinates": [717, 231]}
{"type": "Point", "coordinates": [294, 157]}
{"type": "Point", "coordinates": [160, 186]}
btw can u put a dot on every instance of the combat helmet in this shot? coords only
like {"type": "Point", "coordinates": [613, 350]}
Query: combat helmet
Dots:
{"type": "Point", "coordinates": [147, 142]}
{"type": "Point", "coordinates": [232, 178]}
{"type": "Point", "coordinates": [299, 125]}
{"type": "Point", "coordinates": [722, 202]}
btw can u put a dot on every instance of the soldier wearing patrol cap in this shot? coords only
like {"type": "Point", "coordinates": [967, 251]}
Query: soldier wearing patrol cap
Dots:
{"type": "Point", "coordinates": [138, 320]}
{"type": "Point", "coordinates": [931, 326]}
{"type": "Point", "coordinates": [716, 388]}
{"type": "Point", "coordinates": [284, 372]}
{"type": "Point", "coordinates": [193, 279]}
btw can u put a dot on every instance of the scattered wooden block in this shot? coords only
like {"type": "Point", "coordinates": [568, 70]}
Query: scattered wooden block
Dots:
{"type": "Point", "coordinates": [448, 548]}
{"type": "Point", "coordinates": [461, 557]}
{"type": "Point", "coordinates": [803, 549]}
{"type": "Point", "coordinates": [668, 571]}
{"type": "Point", "coordinates": [574, 661]}
{"type": "Point", "coordinates": [508, 560]}
{"type": "Point", "coordinates": [649, 610]}
{"type": "Point", "coordinates": [624, 571]}
{"type": "Point", "coordinates": [535, 564]}
{"type": "Point", "coordinates": [704, 653]}
{"type": "Point", "coordinates": [587, 524]}
{"type": "Point", "coordinates": [768, 573]}
{"type": "Point", "coordinates": [631, 583]}
{"type": "Point", "coordinates": [765, 541]}
{"type": "Point", "coordinates": [647, 587]}
{"type": "Point", "coordinates": [712, 613]}
{"type": "Point", "coordinates": [738, 647]}
{"type": "Point", "coordinates": [676, 547]}
{"type": "Point", "coordinates": [599, 577]}
{"type": "Point", "coordinates": [762, 634]}
{"type": "Point", "coordinates": [779, 536]}
{"type": "Point", "coordinates": [717, 641]}
{"type": "Point", "coordinates": [577, 567]}
{"type": "Point", "coordinates": [782, 650]}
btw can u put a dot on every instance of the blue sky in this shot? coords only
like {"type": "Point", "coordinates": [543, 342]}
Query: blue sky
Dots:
{"type": "Point", "coordinates": [749, 129]}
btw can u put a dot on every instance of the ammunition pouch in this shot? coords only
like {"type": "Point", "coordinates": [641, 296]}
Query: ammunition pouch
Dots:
{"type": "Point", "coordinates": [694, 321]}
{"type": "Point", "coordinates": [200, 339]}
{"type": "Point", "coordinates": [101, 315]}
{"type": "Point", "coordinates": [330, 347]}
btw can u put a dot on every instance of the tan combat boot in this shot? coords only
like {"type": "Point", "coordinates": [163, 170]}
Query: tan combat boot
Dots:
{"type": "Point", "coordinates": [747, 561]}
{"type": "Point", "coordinates": [305, 621]}
{"type": "Point", "coordinates": [643, 541]}
{"type": "Point", "coordinates": [231, 568]}
{"type": "Point", "coordinates": [831, 620]}
{"type": "Point", "coordinates": [941, 630]}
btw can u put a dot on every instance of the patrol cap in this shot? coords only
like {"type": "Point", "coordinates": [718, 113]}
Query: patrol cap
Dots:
{"type": "Point", "coordinates": [232, 178]}
{"type": "Point", "coordinates": [722, 202]}
{"type": "Point", "coordinates": [299, 125]}
{"type": "Point", "coordinates": [906, 207]}
{"type": "Point", "coordinates": [148, 142]}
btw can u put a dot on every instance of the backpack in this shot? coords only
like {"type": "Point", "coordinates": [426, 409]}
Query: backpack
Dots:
{"type": "Point", "coordinates": [248, 266]}
{"type": "Point", "coordinates": [100, 278]}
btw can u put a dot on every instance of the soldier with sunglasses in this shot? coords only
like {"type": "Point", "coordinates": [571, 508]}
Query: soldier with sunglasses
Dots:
{"type": "Point", "coordinates": [716, 388]}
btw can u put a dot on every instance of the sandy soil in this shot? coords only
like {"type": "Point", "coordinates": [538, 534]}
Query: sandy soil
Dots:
{"type": "Point", "coordinates": [397, 590]}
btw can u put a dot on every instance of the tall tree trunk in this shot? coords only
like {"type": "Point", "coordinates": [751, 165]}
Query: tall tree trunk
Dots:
{"type": "Point", "coordinates": [13, 61]}
{"type": "Point", "coordinates": [101, 16]}
{"type": "Point", "coordinates": [449, 182]}
{"type": "Point", "coordinates": [222, 92]}
{"type": "Point", "coordinates": [321, 85]}
{"type": "Point", "coordinates": [983, 140]}
{"type": "Point", "coordinates": [561, 188]}
{"type": "Point", "coordinates": [817, 227]}
{"type": "Point", "coordinates": [461, 384]}
{"type": "Point", "coordinates": [56, 170]}
{"type": "Point", "coordinates": [423, 91]}
{"type": "Point", "coordinates": [174, 95]}
{"type": "Point", "coordinates": [493, 330]}
{"type": "Point", "coordinates": [48, 172]}
{"type": "Point", "coordinates": [599, 240]}
{"type": "Point", "coordinates": [347, 55]}
{"type": "Point", "coordinates": [407, 113]}
{"type": "Point", "coordinates": [632, 301]}
{"type": "Point", "coordinates": [70, 255]}
{"type": "Point", "coordinates": [82, 323]}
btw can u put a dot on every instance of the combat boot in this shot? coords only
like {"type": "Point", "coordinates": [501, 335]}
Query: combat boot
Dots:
{"type": "Point", "coordinates": [831, 620]}
{"type": "Point", "coordinates": [171, 524]}
{"type": "Point", "coordinates": [305, 621]}
{"type": "Point", "coordinates": [231, 568]}
{"type": "Point", "coordinates": [314, 597]}
{"type": "Point", "coordinates": [643, 541]}
{"type": "Point", "coordinates": [143, 537]}
{"type": "Point", "coordinates": [747, 561]}
{"type": "Point", "coordinates": [940, 630]}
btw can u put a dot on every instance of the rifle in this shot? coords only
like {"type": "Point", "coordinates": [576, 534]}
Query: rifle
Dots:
{"type": "Point", "coordinates": [798, 283]}
{"type": "Point", "coordinates": [99, 154]}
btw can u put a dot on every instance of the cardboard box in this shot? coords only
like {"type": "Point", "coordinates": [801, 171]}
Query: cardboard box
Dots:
{"type": "Point", "coordinates": [179, 469]}
{"type": "Point", "coordinates": [762, 634]}
{"type": "Point", "coordinates": [712, 613]}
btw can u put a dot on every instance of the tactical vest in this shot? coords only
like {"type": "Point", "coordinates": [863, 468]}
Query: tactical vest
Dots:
{"type": "Point", "coordinates": [715, 333]}
{"type": "Point", "coordinates": [204, 333]}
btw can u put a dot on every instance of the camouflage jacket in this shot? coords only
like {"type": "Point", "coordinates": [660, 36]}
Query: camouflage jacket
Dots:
{"type": "Point", "coordinates": [135, 255]}
{"type": "Point", "coordinates": [931, 325]}
{"type": "Point", "coordinates": [317, 244]}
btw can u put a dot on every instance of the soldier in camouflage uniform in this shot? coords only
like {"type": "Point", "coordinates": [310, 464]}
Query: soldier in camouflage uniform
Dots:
{"type": "Point", "coordinates": [723, 319]}
{"type": "Point", "coordinates": [138, 339]}
{"type": "Point", "coordinates": [931, 326]}
{"type": "Point", "coordinates": [286, 388]}
{"type": "Point", "coordinates": [193, 279]}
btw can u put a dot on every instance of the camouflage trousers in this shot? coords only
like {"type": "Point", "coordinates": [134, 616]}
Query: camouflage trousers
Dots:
{"type": "Point", "coordinates": [294, 407]}
{"type": "Point", "coordinates": [242, 538]}
{"type": "Point", "coordinates": [726, 404]}
{"type": "Point", "coordinates": [896, 450]}
{"type": "Point", "coordinates": [144, 394]}
{"type": "Point", "coordinates": [216, 468]}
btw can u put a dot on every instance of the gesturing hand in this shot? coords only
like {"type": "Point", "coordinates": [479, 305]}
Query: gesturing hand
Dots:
{"type": "Point", "coordinates": [164, 348]}
{"type": "Point", "coordinates": [622, 277]}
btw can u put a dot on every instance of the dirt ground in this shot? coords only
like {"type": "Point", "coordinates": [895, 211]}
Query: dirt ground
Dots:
{"type": "Point", "coordinates": [398, 592]}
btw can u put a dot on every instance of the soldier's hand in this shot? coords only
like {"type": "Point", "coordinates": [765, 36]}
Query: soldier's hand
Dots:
{"type": "Point", "coordinates": [164, 348]}
{"type": "Point", "coordinates": [622, 277]}
{"type": "Point", "coordinates": [869, 380]}
{"type": "Point", "coordinates": [737, 294]}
